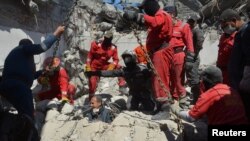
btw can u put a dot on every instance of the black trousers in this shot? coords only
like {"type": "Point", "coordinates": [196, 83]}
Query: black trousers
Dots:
{"type": "Point", "coordinates": [145, 99]}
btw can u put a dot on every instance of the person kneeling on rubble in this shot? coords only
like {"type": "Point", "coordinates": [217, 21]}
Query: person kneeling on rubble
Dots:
{"type": "Point", "coordinates": [55, 78]}
{"type": "Point", "coordinates": [98, 112]}
{"type": "Point", "coordinates": [221, 103]}
{"type": "Point", "coordinates": [137, 77]}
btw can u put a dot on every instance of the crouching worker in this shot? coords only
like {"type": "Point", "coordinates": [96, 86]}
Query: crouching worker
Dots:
{"type": "Point", "coordinates": [220, 103]}
{"type": "Point", "coordinates": [98, 112]}
{"type": "Point", "coordinates": [56, 79]}
{"type": "Point", "coordinates": [137, 77]}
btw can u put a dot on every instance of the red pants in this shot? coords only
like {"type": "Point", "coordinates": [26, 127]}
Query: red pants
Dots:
{"type": "Point", "coordinates": [50, 94]}
{"type": "Point", "coordinates": [55, 92]}
{"type": "Point", "coordinates": [162, 62]}
{"type": "Point", "coordinates": [93, 81]}
{"type": "Point", "coordinates": [177, 75]}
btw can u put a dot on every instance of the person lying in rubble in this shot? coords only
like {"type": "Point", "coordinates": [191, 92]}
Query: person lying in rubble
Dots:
{"type": "Point", "coordinates": [20, 71]}
{"type": "Point", "coordinates": [220, 103]}
{"type": "Point", "coordinates": [98, 59]}
{"type": "Point", "coordinates": [56, 79]}
{"type": "Point", "coordinates": [138, 79]}
{"type": "Point", "coordinates": [98, 111]}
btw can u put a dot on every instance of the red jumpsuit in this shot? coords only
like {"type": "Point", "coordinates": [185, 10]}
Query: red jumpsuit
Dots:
{"type": "Point", "coordinates": [182, 36]}
{"type": "Point", "coordinates": [222, 105]}
{"type": "Point", "coordinates": [98, 59]}
{"type": "Point", "coordinates": [160, 30]}
{"type": "Point", "coordinates": [225, 50]}
{"type": "Point", "coordinates": [59, 82]}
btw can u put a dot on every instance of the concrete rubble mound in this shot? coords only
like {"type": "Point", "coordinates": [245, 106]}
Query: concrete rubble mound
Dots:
{"type": "Point", "coordinates": [61, 121]}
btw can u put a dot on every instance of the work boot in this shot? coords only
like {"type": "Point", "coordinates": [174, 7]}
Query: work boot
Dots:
{"type": "Point", "coordinates": [157, 108]}
{"type": "Point", "coordinates": [164, 114]}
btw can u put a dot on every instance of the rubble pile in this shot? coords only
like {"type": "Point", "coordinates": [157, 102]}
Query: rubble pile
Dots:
{"type": "Point", "coordinates": [59, 121]}
{"type": "Point", "coordinates": [70, 124]}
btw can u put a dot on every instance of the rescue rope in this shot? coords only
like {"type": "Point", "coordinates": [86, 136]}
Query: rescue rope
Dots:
{"type": "Point", "coordinates": [149, 120]}
{"type": "Point", "coordinates": [66, 23]}
{"type": "Point", "coordinates": [134, 29]}
{"type": "Point", "coordinates": [177, 119]}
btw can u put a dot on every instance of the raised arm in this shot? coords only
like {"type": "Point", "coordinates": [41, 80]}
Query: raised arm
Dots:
{"type": "Point", "coordinates": [46, 44]}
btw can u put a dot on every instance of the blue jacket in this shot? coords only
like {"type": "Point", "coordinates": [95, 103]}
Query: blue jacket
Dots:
{"type": "Point", "coordinates": [20, 65]}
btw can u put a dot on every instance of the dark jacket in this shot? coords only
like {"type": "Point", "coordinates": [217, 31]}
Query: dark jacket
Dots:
{"type": "Point", "coordinates": [198, 39]}
{"type": "Point", "coordinates": [138, 79]}
{"type": "Point", "coordinates": [19, 64]}
{"type": "Point", "coordinates": [102, 115]}
{"type": "Point", "coordinates": [240, 56]}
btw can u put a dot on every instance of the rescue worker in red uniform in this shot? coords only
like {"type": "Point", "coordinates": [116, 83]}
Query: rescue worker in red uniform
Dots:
{"type": "Point", "coordinates": [57, 80]}
{"type": "Point", "coordinates": [225, 50]}
{"type": "Point", "coordinates": [181, 38]}
{"type": "Point", "coordinates": [98, 59]}
{"type": "Point", "coordinates": [220, 103]}
{"type": "Point", "coordinates": [160, 28]}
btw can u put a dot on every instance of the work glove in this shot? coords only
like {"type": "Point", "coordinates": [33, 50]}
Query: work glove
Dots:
{"type": "Point", "coordinates": [111, 66]}
{"type": "Point", "coordinates": [189, 61]}
{"type": "Point", "coordinates": [43, 80]}
{"type": "Point", "coordinates": [64, 97]}
{"type": "Point", "coordinates": [87, 68]}
{"type": "Point", "coordinates": [93, 73]}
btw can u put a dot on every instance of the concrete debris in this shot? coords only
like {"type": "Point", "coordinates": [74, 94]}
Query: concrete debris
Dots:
{"type": "Point", "coordinates": [67, 109]}
{"type": "Point", "coordinates": [104, 26]}
{"type": "Point", "coordinates": [51, 115]}
{"type": "Point", "coordinates": [109, 13]}
{"type": "Point", "coordinates": [127, 126]}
